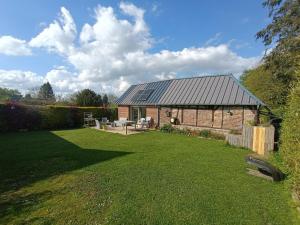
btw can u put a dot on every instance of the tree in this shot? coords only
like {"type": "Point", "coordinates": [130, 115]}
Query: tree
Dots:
{"type": "Point", "coordinates": [283, 32]}
{"type": "Point", "coordinates": [46, 92]}
{"type": "Point", "coordinates": [105, 100]}
{"type": "Point", "coordinates": [28, 96]}
{"type": "Point", "coordinates": [7, 94]}
{"type": "Point", "coordinates": [290, 136]}
{"type": "Point", "coordinates": [270, 90]}
{"type": "Point", "coordinates": [88, 97]}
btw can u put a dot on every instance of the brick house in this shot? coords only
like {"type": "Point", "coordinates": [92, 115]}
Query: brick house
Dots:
{"type": "Point", "coordinates": [216, 102]}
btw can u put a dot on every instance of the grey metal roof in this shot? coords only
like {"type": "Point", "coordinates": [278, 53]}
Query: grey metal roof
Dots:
{"type": "Point", "coordinates": [206, 90]}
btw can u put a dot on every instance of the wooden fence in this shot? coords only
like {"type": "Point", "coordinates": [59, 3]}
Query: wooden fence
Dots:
{"type": "Point", "coordinates": [259, 139]}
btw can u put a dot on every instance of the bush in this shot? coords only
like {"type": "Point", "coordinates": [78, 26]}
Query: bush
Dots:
{"type": "Point", "coordinates": [290, 136]}
{"type": "Point", "coordinates": [205, 133]}
{"type": "Point", "coordinates": [168, 128]}
{"type": "Point", "coordinates": [15, 117]}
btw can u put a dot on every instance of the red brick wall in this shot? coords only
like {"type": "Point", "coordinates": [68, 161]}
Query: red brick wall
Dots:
{"type": "Point", "coordinates": [249, 114]}
{"type": "Point", "coordinates": [163, 119]}
{"type": "Point", "coordinates": [204, 118]}
{"type": "Point", "coordinates": [177, 113]}
{"type": "Point", "coordinates": [189, 117]}
{"type": "Point", "coordinates": [234, 119]}
{"type": "Point", "coordinates": [153, 112]}
{"type": "Point", "coordinates": [123, 111]}
{"type": "Point", "coordinates": [218, 115]}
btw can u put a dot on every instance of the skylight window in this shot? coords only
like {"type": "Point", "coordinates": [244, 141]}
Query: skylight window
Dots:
{"type": "Point", "coordinates": [143, 95]}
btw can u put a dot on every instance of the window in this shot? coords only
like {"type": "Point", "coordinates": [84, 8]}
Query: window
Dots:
{"type": "Point", "coordinates": [142, 95]}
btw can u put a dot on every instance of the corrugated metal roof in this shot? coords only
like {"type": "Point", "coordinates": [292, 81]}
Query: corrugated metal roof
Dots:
{"type": "Point", "coordinates": [206, 90]}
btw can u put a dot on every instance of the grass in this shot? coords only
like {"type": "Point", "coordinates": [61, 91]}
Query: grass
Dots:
{"type": "Point", "coordinates": [87, 176]}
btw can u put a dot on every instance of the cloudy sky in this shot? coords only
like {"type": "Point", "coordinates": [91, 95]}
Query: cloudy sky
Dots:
{"type": "Point", "coordinates": [108, 45]}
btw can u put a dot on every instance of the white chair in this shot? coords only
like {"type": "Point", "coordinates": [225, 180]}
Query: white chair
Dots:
{"type": "Point", "coordinates": [120, 122]}
{"type": "Point", "coordinates": [97, 124]}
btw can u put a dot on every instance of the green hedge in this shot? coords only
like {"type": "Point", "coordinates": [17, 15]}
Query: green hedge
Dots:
{"type": "Point", "coordinates": [15, 117]}
{"type": "Point", "coordinates": [290, 137]}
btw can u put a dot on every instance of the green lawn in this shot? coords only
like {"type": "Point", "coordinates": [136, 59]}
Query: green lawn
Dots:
{"type": "Point", "coordinates": [87, 176]}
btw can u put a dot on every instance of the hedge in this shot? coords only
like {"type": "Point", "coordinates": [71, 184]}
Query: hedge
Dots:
{"type": "Point", "coordinates": [16, 117]}
{"type": "Point", "coordinates": [290, 137]}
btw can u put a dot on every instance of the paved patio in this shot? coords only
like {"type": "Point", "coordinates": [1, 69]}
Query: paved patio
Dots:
{"type": "Point", "coordinates": [122, 130]}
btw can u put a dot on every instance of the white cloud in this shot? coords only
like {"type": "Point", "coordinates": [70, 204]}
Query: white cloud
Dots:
{"type": "Point", "coordinates": [58, 36]}
{"type": "Point", "coordinates": [215, 40]}
{"type": "Point", "coordinates": [13, 46]}
{"type": "Point", "coordinates": [113, 53]}
{"type": "Point", "coordinates": [21, 80]}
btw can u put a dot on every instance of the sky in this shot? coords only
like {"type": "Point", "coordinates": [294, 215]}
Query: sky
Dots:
{"type": "Point", "coordinates": [109, 45]}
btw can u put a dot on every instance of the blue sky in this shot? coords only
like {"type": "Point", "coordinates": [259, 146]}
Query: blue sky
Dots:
{"type": "Point", "coordinates": [174, 39]}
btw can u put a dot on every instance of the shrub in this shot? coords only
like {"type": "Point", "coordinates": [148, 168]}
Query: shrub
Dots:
{"type": "Point", "coordinates": [205, 133]}
{"type": "Point", "coordinates": [14, 117]}
{"type": "Point", "coordinates": [290, 136]}
{"type": "Point", "coordinates": [168, 128]}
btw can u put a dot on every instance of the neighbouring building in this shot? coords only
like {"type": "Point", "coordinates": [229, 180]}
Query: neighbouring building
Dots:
{"type": "Point", "coordinates": [215, 102]}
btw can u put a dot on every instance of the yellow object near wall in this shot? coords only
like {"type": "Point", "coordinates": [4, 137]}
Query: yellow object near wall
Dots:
{"type": "Point", "coordinates": [259, 139]}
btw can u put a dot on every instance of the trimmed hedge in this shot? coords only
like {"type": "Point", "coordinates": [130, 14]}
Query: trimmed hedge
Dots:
{"type": "Point", "coordinates": [15, 117]}
{"type": "Point", "coordinates": [290, 137]}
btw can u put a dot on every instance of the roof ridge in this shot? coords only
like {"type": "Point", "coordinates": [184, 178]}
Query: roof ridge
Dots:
{"type": "Point", "coordinates": [184, 78]}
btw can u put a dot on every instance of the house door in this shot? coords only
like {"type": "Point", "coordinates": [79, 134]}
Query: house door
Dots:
{"type": "Point", "coordinates": [137, 113]}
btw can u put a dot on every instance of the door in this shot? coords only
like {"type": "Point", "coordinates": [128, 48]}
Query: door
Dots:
{"type": "Point", "coordinates": [137, 113]}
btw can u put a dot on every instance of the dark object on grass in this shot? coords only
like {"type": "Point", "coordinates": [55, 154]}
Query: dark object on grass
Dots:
{"type": "Point", "coordinates": [265, 168]}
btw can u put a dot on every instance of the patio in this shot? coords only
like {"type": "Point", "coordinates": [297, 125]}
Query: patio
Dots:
{"type": "Point", "coordinates": [124, 130]}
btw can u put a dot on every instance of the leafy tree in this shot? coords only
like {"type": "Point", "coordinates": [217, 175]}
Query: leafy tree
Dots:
{"type": "Point", "coordinates": [88, 97]}
{"type": "Point", "coordinates": [46, 92]}
{"type": "Point", "coordinates": [270, 90]}
{"type": "Point", "coordinates": [9, 94]}
{"type": "Point", "coordinates": [283, 33]}
{"type": "Point", "coordinates": [290, 136]}
{"type": "Point", "coordinates": [28, 96]}
{"type": "Point", "coordinates": [105, 100]}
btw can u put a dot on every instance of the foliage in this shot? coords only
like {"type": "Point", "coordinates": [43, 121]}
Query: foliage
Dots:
{"type": "Point", "coordinates": [204, 133]}
{"type": "Point", "coordinates": [88, 97]}
{"type": "Point", "coordinates": [14, 117]}
{"type": "Point", "coordinates": [168, 128]}
{"type": "Point", "coordinates": [211, 134]}
{"type": "Point", "coordinates": [9, 94]}
{"type": "Point", "coordinates": [86, 176]}
{"type": "Point", "coordinates": [105, 100]}
{"type": "Point", "coordinates": [290, 137]}
{"type": "Point", "coordinates": [265, 86]}
{"type": "Point", "coordinates": [283, 33]}
{"type": "Point", "coordinates": [46, 92]}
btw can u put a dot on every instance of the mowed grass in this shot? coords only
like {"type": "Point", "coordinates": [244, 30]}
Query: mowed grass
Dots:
{"type": "Point", "coordinates": [87, 176]}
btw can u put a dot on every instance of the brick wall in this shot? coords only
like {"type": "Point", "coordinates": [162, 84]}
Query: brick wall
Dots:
{"type": "Point", "coordinates": [189, 117]}
{"type": "Point", "coordinates": [218, 116]}
{"type": "Point", "coordinates": [123, 111]}
{"type": "Point", "coordinates": [233, 119]}
{"type": "Point", "coordinates": [221, 118]}
{"type": "Point", "coordinates": [163, 119]}
{"type": "Point", "coordinates": [204, 118]}
{"type": "Point", "coordinates": [153, 113]}
{"type": "Point", "coordinates": [177, 113]}
{"type": "Point", "coordinates": [249, 114]}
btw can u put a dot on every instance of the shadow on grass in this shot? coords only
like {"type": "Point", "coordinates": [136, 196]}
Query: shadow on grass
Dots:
{"type": "Point", "coordinates": [30, 157]}
{"type": "Point", "coordinates": [35, 156]}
